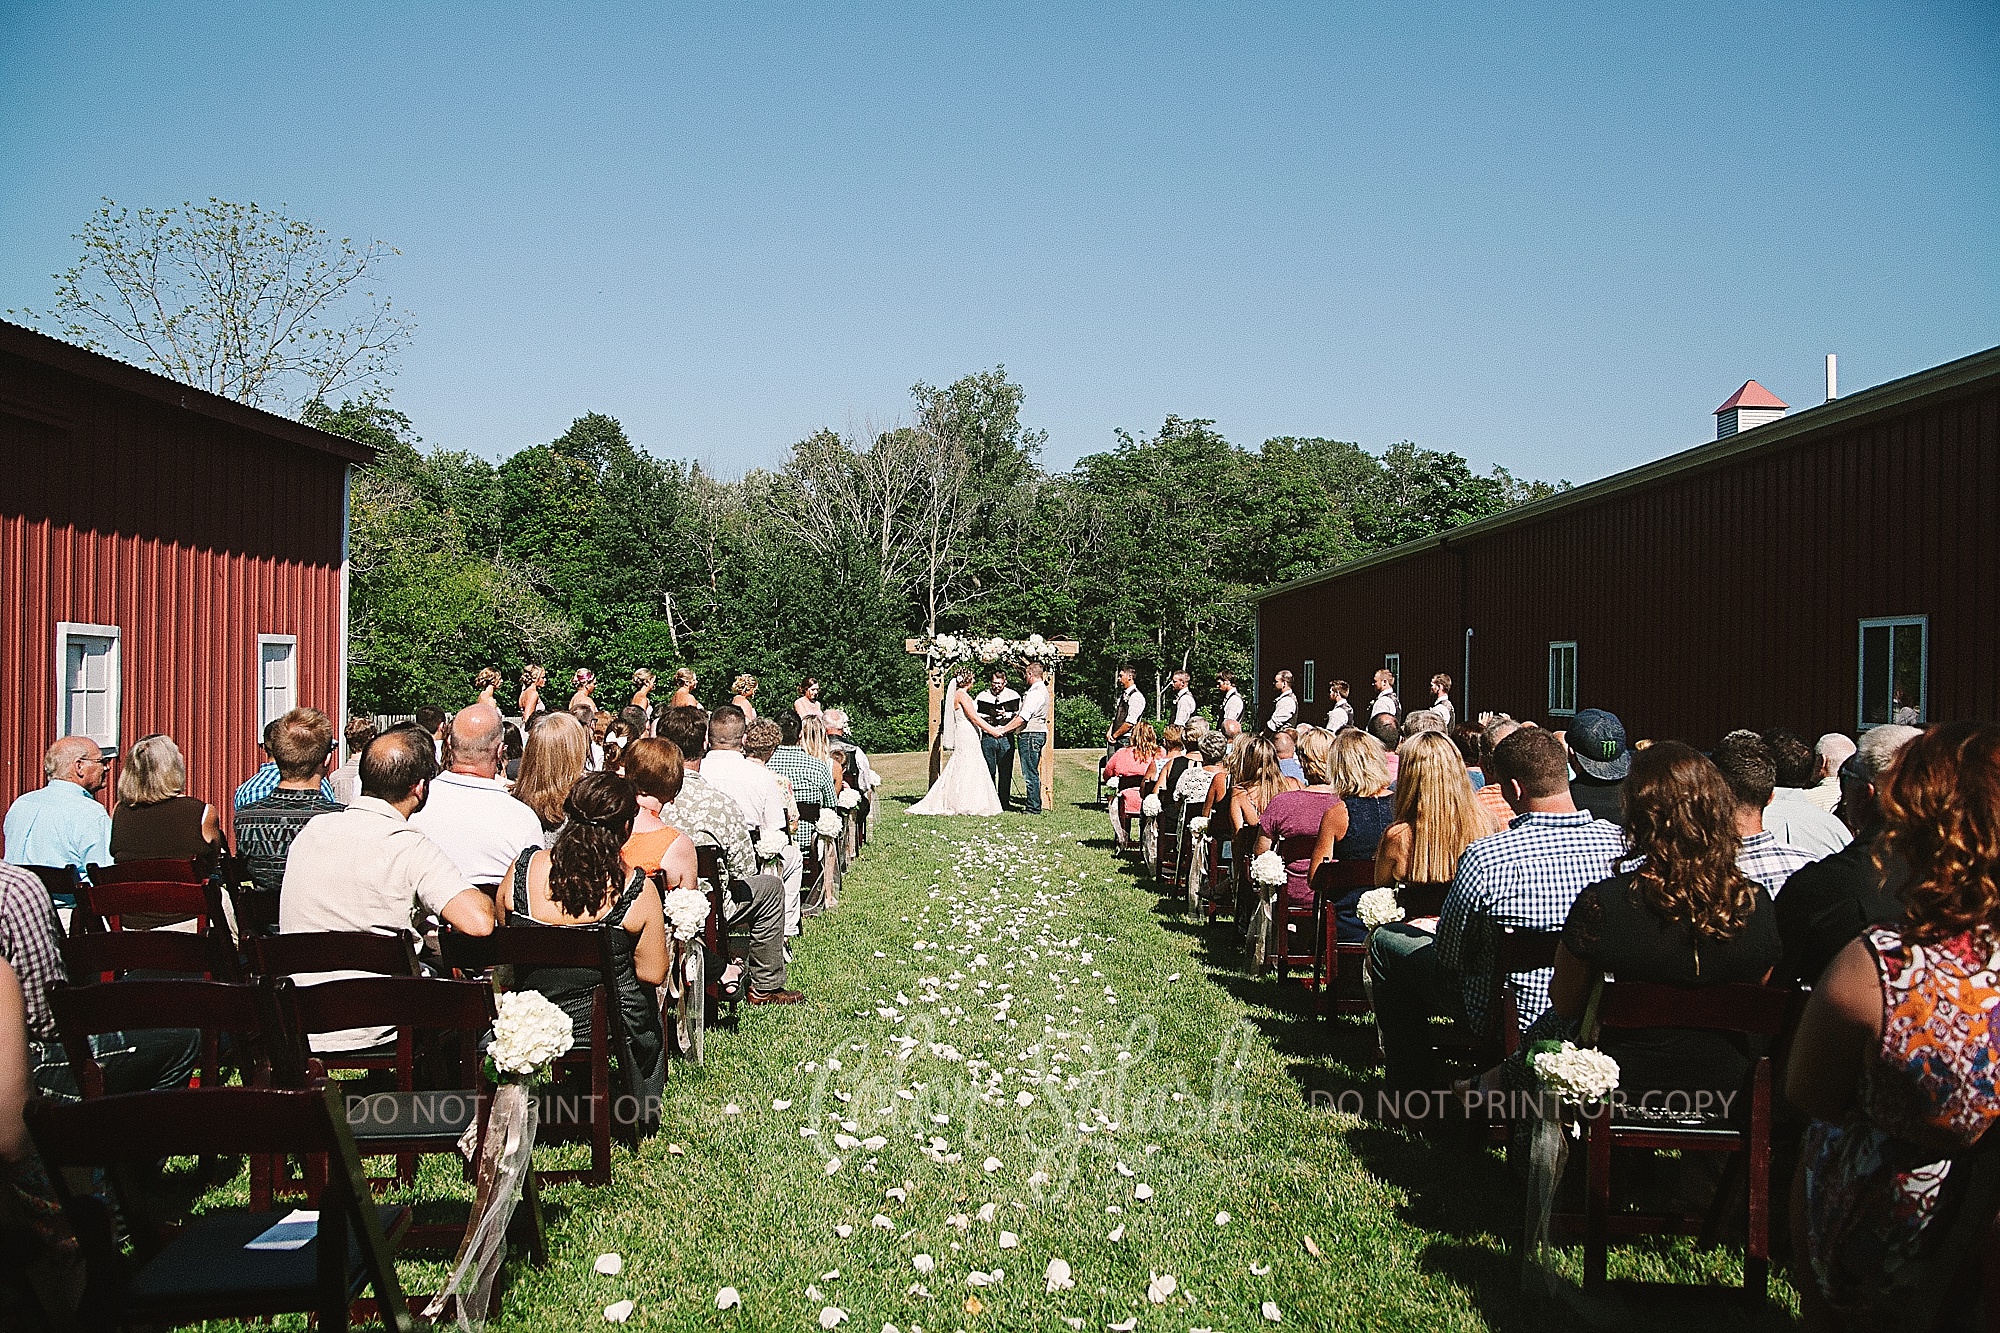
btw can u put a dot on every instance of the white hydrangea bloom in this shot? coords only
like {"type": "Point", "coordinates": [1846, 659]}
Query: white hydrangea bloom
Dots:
{"type": "Point", "coordinates": [1267, 868]}
{"type": "Point", "coordinates": [1378, 907]}
{"type": "Point", "coordinates": [529, 1033]}
{"type": "Point", "coordinates": [1577, 1074]}
{"type": "Point", "coordinates": [687, 912]}
{"type": "Point", "coordinates": [1151, 805]}
{"type": "Point", "coordinates": [828, 824]}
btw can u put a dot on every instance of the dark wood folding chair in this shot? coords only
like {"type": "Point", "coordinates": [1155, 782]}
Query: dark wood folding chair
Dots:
{"type": "Point", "coordinates": [541, 946]}
{"type": "Point", "coordinates": [1219, 877]}
{"type": "Point", "coordinates": [1739, 1010]}
{"type": "Point", "coordinates": [1127, 782]}
{"type": "Point", "coordinates": [256, 909]}
{"type": "Point", "coordinates": [148, 888]}
{"type": "Point", "coordinates": [115, 955]}
{"type": "Point", "coordinates": [332, 951]}
{"type": "Point", "coordinates": [1337, 970]}
{"type": "Point", "coordinates": [60, 881]}
{"type": "Point", "coordinates": [817, 876]}
{"type": "Point", "coordinates": [199, 1269]}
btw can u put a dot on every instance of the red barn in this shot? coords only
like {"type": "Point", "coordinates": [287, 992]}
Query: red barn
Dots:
{"type": "Point", "coordinates": [170, 561]}
{"type": "Point", "coordinates": [1818, 571]}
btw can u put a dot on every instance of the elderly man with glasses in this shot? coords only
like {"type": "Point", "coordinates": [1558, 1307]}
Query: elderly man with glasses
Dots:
{"type": "Point", "coordinates": [62, 824]}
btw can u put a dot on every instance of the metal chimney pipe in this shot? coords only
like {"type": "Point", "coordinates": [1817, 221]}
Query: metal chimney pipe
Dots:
{"type": "Point", "coordinates": [1832, 377]}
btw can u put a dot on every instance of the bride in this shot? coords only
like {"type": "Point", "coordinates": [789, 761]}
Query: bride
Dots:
{"type": "Point", "coordinates": [965, 787]}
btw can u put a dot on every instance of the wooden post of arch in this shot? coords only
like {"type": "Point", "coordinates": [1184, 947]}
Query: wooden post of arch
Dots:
{"type": "Point", "coordinates": [935, 677]}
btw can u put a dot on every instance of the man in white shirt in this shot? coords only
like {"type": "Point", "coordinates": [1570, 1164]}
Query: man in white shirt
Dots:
{"type": "Point", "coordinates": [1833, 750]}
{"type": "Point", "coordinates": [758, 791]}
{"type": "Point", "coordinates": [1232, 704]}
{"type": "Point", "coordinates": [1385, 696]}
{"type": "Point", "coordinates": [366, 868]}
{"type": "Point", "coordinates": [1441, 699]}
{"type": "Point", "coordinates": [1031, 733]}
{"type": "Point", "coordinates": [1183, 699]}
{"type": "Point", "coordinates": [1790, 812]}
{"type": "Point", "coordinates": [1285, 707]}
{"type": "Point", "coordinates": [1130, 713]}
{"type": "Point", "coordinates": [470, 813]}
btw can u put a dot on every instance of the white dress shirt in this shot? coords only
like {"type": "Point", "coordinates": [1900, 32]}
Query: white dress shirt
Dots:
{"type": "Point", "coordinates": [477, 824]}
{"type": "Point", "coordinates": [1340, 715]}
{"type": "Point", "coordinates": [1134, 705]}
{"type": "Point", "coordinates": [1386, 702]}
{"type": "Point", "coordinates": [1283, 710]}
{"type": "Point", "coordinates": [1183, 707]}
{"type": "Point", "coordinates": [1232, 706]}
{"type": "Point", "coordinates": [1443, 708]}
{"type": "Point", "coordinates": [1035, 707]}
{"type": "Point", "coordinates": [749, 784]}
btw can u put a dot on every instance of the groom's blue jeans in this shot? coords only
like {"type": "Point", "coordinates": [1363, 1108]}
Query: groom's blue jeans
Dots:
{"type": "Point", "coordinates": [1030, 745]}
{"type": "Point", "coordinates": [999, 752]}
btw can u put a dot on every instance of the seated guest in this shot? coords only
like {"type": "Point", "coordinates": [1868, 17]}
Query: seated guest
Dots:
{"type": "Point", "coordinates": [754, 788]}
{"type": "Point", "coordinates": [62, 824]}
{"type": "Point", "coordinates": [1680, 912]}
{"type": "Point", "coordinates": [300, 742]}
{"type": "Point", "coordinates": [431, 721]}
{"type": "Point", "coordinates": [580, 883]}
{"type": "Point", "coordinates": [1437, 816]}
{"type": "Point", "coordinates": [1291, 824]}
{"type": "Point", "coordinates": [1350, 830]}
{"type": "Point", "coordinates": [712, 819]}
{"type": "Point", "coordinates": [811, 779]}
{"type": "Point", "coordinates": [1496, 728]}
{"type": "Point", "coordinates": [1827, 904]}
{"type": "Point", "coordinates": [133, 1061]}
{"type": "Point", "coordinates": [265, 780]}
{"type": "Point", "coordinates": [346, 780]}
{"type": "Point", "coordinates": [1423, 719]}
{"type": "Point", "coordinates": [1528, 875]}
{"type": "Point", "coordinates": [470, 813]}
{"type": "Point", "coordinates": [1199, 783]}
{"type": "Point", "coordinates": [1791, 817]}
{"type": "Point", "coordinates": [815, 741]}
{"type": "Point", "coordinates": [835, 720]}
{"type": "Point", "coordinates": [617, 736]}
{"type": "Point", "coordinates": [1287, 742]}
{"type": "Point", "coordinates": [760, 742]}
{"type": "Point", "coordinates": [1599, 759]}
{"type": "Point", "coordinates": [366, 868]}
{"type": "Point", "coordinates": [655, 770]}
{"type": "Point", "coordinates": [1751, 773]}
{"type": "Point", "coordinates": [1131, 761]}
{"type": "Point", "coordinates": [555, 756]}
{"type": "Point", "coordinates": [1894, 1057]}
{"type": "Point", "coordinates": [511, 746]}
{"type": "Point", "coordinates": [157, 820]}
{"type": "Point", "coordinates": [1833, 750]}
{"type": "Point", "coordinates": [1382, 726]}
{"type": "Point", "coordinates": [1465, 736]}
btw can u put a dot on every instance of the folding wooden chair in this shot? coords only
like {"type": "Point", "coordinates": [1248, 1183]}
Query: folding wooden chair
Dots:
{"type": "Point", "coordinates": [116, 955]}
{"type": "Point", "coordinates": [332, 951]}
{"type": "Point", "coordinates": [256, 909]}
{"type": "Point", "coordinates": [148, 888]}
{"type": "Point", "coordinates": [200, 1270]}
{"type": "Point", "coordinates": [60, 881]}
{"type": "Point", "coordinates": [1128, 782]}
{"type": "Point", "coordinates": [1219, 877]}
{"type": "Point", "coordinates": [1338, 968]}
{"type": "Point", "coordinates": [1741, 1010]}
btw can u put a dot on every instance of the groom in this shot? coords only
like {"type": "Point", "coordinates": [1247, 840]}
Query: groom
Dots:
{"type": "Point", "coordinates": [998, 707]}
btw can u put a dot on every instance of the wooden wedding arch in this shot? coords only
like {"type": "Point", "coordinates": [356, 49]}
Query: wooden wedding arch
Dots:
{"type": "Point", "coordinates": [937, 672]}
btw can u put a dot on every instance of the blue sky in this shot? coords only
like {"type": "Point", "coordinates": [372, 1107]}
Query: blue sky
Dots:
{"type": "Point", "coordinates": [1554, 238]}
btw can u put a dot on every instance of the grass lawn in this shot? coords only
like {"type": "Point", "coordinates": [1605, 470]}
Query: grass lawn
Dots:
{"type": "Point", "coordinates": [1015, 1055]}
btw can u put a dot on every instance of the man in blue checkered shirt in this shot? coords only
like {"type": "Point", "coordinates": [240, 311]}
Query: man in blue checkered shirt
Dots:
{"type": "Point", "coordinates": [1527, 875]}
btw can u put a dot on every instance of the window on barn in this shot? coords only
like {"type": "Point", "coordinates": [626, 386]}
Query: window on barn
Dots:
{"type": "Point", "coordinates": [277, 677]}
{"type": "Point", "coordinates": [1311, 691]}
{"type": "Point", "coordinates": [1393, 664]}
{"type": "Point", "coordinates": [1562, 678]}
{"type": "Point", "coordinates": [89, 682]}
{"type": "Point", "coordinates": [1894, 670]}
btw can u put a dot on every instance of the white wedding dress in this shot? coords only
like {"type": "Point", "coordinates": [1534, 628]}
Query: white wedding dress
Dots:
{"type": "Point", "coordinates": [965, 787]}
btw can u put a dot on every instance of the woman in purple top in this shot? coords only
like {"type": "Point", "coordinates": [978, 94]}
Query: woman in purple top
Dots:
{"type": "Point", "coordinates": [1291, 822]}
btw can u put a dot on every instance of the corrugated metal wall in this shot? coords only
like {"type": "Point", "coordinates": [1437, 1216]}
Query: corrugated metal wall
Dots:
{"type": "Point", "coordinates": [192, 535]}
{"type": "Point", "coordinates": [1713, 599]}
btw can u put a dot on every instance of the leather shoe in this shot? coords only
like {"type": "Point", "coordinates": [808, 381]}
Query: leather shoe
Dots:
{"type": "Point", "coordinates": [775, 997]}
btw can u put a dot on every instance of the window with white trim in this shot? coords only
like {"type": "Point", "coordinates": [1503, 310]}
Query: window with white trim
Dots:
{"type": "Point", "coordinates": [89, 682]}
{"type": "Point", "coordinates": [1894, 670]}
{"type": "Point", "coordinates": [1562, 678]}
{"type": "Point", "coordinates": [277, 677]}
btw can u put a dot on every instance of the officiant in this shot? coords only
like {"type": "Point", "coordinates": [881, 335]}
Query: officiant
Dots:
{"type": "Point", "coordinates": [998, 707]}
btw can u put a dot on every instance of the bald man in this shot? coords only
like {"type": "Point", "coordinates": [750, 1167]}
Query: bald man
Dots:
{"type": "Point", "coordinates": [470, 813]}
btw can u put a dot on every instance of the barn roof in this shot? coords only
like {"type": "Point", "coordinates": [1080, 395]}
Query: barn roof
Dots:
{"type": "Point", "coordinates": [1979, 369]}
{"type": "Point", "coordinates": [32, 345]}
{"type": "Point", "coordinates": [1752, 394]}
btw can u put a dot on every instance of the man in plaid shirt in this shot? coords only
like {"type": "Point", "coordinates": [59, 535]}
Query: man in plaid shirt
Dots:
{"type": "Point", "coordinates": [1751, 771]}
{"type": "Point", "coordinates": [1528, 875]}
{"type": "Point", "coordinates": [811, 779]}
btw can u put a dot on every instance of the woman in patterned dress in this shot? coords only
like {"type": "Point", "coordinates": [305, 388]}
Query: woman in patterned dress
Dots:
{"type": "Point", "coordinates": [1896, 1057]}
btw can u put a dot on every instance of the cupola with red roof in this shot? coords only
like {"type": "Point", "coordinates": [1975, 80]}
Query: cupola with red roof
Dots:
{"type": "Point", "coordinates": [1750, 406]}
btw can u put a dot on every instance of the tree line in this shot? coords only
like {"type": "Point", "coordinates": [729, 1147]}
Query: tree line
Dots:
{"type": "Point", "coordinates": [591, 551]}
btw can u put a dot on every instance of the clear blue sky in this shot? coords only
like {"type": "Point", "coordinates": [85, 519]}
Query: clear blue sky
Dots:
{"type": "Point", "coordinates": [1551, 238]}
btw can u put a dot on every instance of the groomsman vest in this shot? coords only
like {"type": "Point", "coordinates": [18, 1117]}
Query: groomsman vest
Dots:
{"type": "Point", "coordinates": [1232, 705]}
{"type": "Point", "coordinates": [1183, 707]}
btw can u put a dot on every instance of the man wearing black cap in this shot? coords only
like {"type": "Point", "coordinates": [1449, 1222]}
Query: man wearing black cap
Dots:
{"type": "Point", "coordinates": [1599, 759]}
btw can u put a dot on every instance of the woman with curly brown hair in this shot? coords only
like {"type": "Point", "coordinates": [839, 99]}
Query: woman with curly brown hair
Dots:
{"type": "Point", "coordinates": [1679, 912]}
{"type": "Point", "coordinates": [1895, 1058]}
{"type": "Point", "coordinates": [487, 682]}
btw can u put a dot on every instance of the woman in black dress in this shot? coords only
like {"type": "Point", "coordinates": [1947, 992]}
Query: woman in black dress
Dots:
{"type": "Point", "coordinates": [1680, 913]}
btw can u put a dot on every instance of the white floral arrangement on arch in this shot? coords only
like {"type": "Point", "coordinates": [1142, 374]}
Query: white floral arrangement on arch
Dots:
{"type": "Point", "coordinates": [944, 649]}
{"type": "Point", "coordinates": [1150, 807]}
{"type": "Point", "coordinates": [828, 824]}
{"type": "Point", "coordinates": [1379, 907]}
{"type": "Point", "coordinates": [848, 799]}
{"type": "Point", "coordinates": [687, 913]}
{"type": "Point", "coordinates": [948, 648]}
{"type": "Point", "coordinates": [529, 1033]}
{"type": "Point", "coordinates": [1574, 1073]}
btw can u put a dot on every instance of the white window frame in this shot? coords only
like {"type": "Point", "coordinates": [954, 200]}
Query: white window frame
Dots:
{"type": "Point", "coordinates": [290, 641]}
{"type": "Point", "coordinates": [1892, 624]}
{"type": "Point", "coordinates": [74, 629]}
{"type": "Point", "coordinates": [1311, 684]}
{"type": "Point", "coordinates": [1556, 646]}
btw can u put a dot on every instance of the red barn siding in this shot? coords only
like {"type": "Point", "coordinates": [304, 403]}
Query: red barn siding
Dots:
{"type": "Point", "coordinates": [1719, 595]}
{"type": "Point", "coordinates": [192, 524]}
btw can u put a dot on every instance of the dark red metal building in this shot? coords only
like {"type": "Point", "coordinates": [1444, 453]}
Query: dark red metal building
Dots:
{"type": "Point", "coordinates": [170, 561]}
{"type": "Point", "coordinates": [1819, 572]}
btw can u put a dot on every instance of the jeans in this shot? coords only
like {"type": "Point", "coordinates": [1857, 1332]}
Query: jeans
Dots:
{"type": "Point", "coordinates": [1030, 744]}
{"type": "Point", "coordinates": [999, 752]}
{"type": "Point", "coordinates": [155, 1060]}
{"type": "Point", "coordinates": [764, 917]}
{"type": "Point", "coordinates": [1409, 989]}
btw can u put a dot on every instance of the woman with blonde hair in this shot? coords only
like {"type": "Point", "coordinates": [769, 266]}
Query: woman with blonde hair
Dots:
{"type": "Point", "coordinates": [486, 682]}
{"type": "Point", "coordinates": [1291, 823]}
{"type": "Point", "coordinates": [815, 742]}
{"type": "Point", "coordinates": [1350, 831]}
{"type": "Point", "coordinates": [684, 682]}
{"type": "Point", "coordinates": [530, 700]}
{"type": "Point", "coordinates": [556, 754]}
{"type": "Point", "coordinates": [643, 681]}
{"type": "Point", "coordinates": [156, 819]}
{"type": "Point", "coordinates": [1437, 815]}
{"type": "Point", "coordinates": [745, 687]}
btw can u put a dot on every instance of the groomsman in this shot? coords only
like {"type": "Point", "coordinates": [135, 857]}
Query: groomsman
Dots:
{"type": "Point", "coordinates": [1385, 697]}
{"type": "Point", "coordinates": [1032, 733]}
{"type": "Point", "coordinates": [1183, 699]}
{"type": "Point", "coordinates": [998, 707]}
{"type": "Point", "coordinates": [1285, 707]}
{"type": "Point", "coordinates": [1232, 704]}
{"type": "Point", "coordinates": [1130, 713]}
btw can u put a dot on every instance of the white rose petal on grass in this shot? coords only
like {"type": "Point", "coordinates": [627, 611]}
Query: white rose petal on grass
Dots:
{"type": "Point", "coordinates": [1142, 1191]}
{"type": "Point", "coordinates": [924, 1264]}
{"type": "Point", "coordinates": [990, 1165]}
{"type": "Point", "coordinates": [1270, 1312]}
{"type": "Point", "coordinates": [1117, 1233]}
{"type": "Point", "coordinates": [813, 1293]}
{"type": "Point", "coordinates": [1311, 1248]}
{"type": "Point", "coordinates": [1160, 1286]}
{"type": "Point", "coordinates": [1058, 1276]}
{"type": "Point", "coordinates": [843, 1230]}
{"type": "Point", "coordinates": [675, 1150]}
{"type": "Point", "coordinates": [1008, 1240]}
{"type": "Point", "coordinates": [728, 1299]}
{"type": "Point", "coordinates": [1260, 1270]}
{"type": "Point", "coordinates": [875, 1143]}
{"type": "Point", "coordinates": [1039, 1178]}
{"type": "Point", "coordinates": [882, 1223]}
{"type": "Point", "coordinates": [1124, 1325]}
{"type": "Point", "coordinates": [1222, 1219]}
{"type": "Point", "coordinates": [781, 1103]}
{"type": "Point", "coordinates": [1124, 1170]}
{"type": "Point", "coordinates": [610, 1265]}
{"type": "Point", "coordinates": [896, 1192]}
{"type": "Point", "coordinates": [1024, 1099]}
{"type": "Point", "coordinates": [732, 1109]}
{"type": "Point", "coordinates": [978, 1279]}
{"type": "Point", "coordinates": [832, 1317]}
{"type": "Point", "coordinates": [618, 1312]}
{"type": "Point", "coordinates": [832, 1165]}
{"type": "Point", "coordinates": [987, 1211]}
{"type": "Point", "coordinates": [1073, 1322]}
{"type": "Point", "coordinates": [832, 1274]}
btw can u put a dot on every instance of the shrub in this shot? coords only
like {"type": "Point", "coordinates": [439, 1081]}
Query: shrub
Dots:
{"type": "Point", "coordinates": [1080, 723]}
